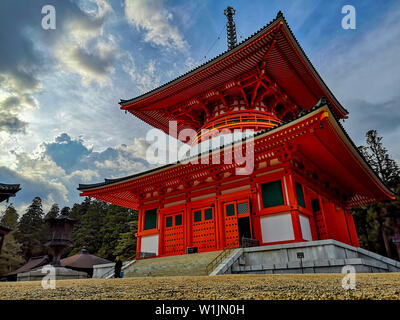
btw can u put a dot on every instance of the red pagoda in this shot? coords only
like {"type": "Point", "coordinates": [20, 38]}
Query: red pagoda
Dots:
{"type": "Point", "coordinates": [307, 172]}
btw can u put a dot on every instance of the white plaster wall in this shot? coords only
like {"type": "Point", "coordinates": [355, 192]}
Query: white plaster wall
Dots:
{"type": "Point", "coordinates": [277, 227]}
{"type": "Point", "coordinates": [149, 244]}
{"type": "Point", "coordinates": [305, 228]}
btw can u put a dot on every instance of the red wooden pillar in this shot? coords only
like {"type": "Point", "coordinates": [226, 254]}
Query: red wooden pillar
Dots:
{"type": "Point", "coordinates": [160, 227]}
{"type": "Point", "coordinates": [352, 229]}
{"type": "Point", "coordinates": [292, 202]}
{"type": "Point", "coordinates": [313, 227]}
{"type": "Point", "coordinates": [255, 219]}
{"type": "Point", "coordinates": [139, 238]}
{"type": "Point", "coordinates": [186, 227]}
{"type": "Point", "coordinates": [311, 219]}
{"type": "Point", "coordinates": [221, 220]}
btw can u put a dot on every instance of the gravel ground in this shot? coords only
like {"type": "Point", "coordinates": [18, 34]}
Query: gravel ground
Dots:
{"type": "Point", "coordinates": [229, 287]}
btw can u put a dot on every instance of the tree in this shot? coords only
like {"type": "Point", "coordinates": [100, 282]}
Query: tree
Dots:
{"type": "Point", "coordinates": [65, 211]}
{"type": "Point", "coordinates": [79, 209]}
{"type": "Point", "coordinates": [378, 157]}
{"type": "Point", "coordinates": [32, 230]}
{"type": "Point", "coordinates": [377, 223]}
{"type": "Point", "coordinates": [116, 222]}
{"type": "Point", "coordinates": [53, 212]}
{"type": "Point", "coordinates": [126, 244]}
{"type": "Point", "coordinates": [10, 218]}
{"type": "Point", "coordinates": [88, 231]}
{"type": "Point", "coordinates": [10, 256]}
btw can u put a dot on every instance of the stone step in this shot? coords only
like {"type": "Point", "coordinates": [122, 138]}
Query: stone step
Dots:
{"type": "Point", "coordinates": [181, 265]}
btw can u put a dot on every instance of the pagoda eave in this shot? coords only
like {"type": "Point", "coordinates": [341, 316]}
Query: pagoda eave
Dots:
{"type": "Point", "coordinates": [316, 139]}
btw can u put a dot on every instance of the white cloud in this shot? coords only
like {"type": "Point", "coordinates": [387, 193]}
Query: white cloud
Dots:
{"type": "Point", "coordinates": [56, 168]}
{"type": "Point", "coordinates": [145, 80]}
{"type": "Point", "coordinates": [157, 22]}
{"type": "Point", "coordinates": [84, 48]}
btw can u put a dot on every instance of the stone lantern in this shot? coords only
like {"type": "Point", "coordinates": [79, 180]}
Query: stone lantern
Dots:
{"type": "Point", "coordinates": [59, 239]}
{"type": "Point", "coordinates": [60, 236]}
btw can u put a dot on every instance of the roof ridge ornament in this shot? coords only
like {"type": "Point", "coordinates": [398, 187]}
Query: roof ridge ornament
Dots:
{"type": "Point", "coordinates": [229, 12]}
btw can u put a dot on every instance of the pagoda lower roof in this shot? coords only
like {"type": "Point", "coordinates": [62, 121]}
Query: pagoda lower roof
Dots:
{"type": "Point", "coordinates": [286, 63]}
{"type": "Point", "coordinates": [331, 148]}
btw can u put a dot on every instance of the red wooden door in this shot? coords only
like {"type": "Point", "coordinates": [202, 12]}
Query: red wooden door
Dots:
{"type": "Point", "coordinates": [233, 211]}
{"type": "Point", "coordinates": [203, 229]}
{"type": "Point", "coordinates": [231, 225]}
{"type": "Point", "coordinates": [174, 237]}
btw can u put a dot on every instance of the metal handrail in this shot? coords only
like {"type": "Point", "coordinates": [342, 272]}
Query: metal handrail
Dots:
{"type": "Point", "coordinates": [246, 242]}
{"type": "Point", "coordinates": [218, 259]}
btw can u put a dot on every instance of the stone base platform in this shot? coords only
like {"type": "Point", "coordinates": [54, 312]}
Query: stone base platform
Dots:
{"type": "Point", "coordinates": [322, 256]}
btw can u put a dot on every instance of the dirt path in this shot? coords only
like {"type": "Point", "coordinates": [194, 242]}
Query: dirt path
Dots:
{"type": "Point", "coordinates": [313, 286]}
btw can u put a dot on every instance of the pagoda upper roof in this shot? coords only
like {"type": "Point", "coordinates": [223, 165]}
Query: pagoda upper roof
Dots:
{"type": "Point", "coordinates": [287, 64]}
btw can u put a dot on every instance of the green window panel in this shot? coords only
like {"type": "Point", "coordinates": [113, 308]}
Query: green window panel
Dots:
{"type": "Point", "coordinates": [150, 219]}
{"type": "Point", "coordinates": [300, 195]}
{"type": "Point", "coordinates": [230, 210]}
{"type": "Point", "coordinates": [242, 207]}
{"type": "Point", "coordinates": [272, 194]}
{"type": "Point", "coordinates": [178, 220]}
{"type": "Point", "coordinates": [197, 216]}
{"type": "Point", "coordinates": [208, 214]}
{"type": "Point", "coordinates": [168, 222]}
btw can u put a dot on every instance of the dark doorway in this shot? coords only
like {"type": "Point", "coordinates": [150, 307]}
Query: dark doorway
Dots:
{"type": "Point", "coordinates": [315, 205]}
{"type": "Point", "coordinates": [322, 230]}
{"type": "Point", "coordinates": [244, 228]}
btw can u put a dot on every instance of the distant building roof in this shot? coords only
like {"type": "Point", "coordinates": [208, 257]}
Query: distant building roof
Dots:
{"type": "Point", "coordinates": [8, 190]}
{"type": "Point", "coordinates": [83, 260]}
{"type": "Point", "coordinates": [33, 263]}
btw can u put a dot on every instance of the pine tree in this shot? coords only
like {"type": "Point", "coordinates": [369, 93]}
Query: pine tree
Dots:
{"type": "Point", "coordinates": [65, 211]}
{"type": "Point", "coordinates": [32, 230]}
{"type": "Point", "coordinates": [10, 256]}
{"type": "Point", "coordinates": [116, 222]}
{"type": "Point", "coordinates": [126, 244]}
{"type": "Point", "coordinates": [377, 223]}
{"type": "Point", "coordinates": [378, 157]}
{"type": "Point", "coordinates": [79, 209]}
{"type": "Point", "coordinates": [53, 212]}
{"type": "Point", "coordinates": [10, 218]}
{"type": "Point", "coordinates": [88, 232]}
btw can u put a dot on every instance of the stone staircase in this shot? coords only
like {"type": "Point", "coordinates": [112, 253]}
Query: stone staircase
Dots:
{"type": "Point", "coordinates": [183, 265]}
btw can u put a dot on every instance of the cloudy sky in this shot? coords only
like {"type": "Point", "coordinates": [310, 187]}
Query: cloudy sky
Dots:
{"type": "Point", "coordinates": [60, 122]}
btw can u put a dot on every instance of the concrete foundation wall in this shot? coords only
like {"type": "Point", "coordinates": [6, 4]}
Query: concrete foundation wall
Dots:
{"type": "Point", "coordinates": [323, 256]}
{"type": "Point", "coordinates": [60, 273]}
{"type": "Point", "coordinates": [107, 270]}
